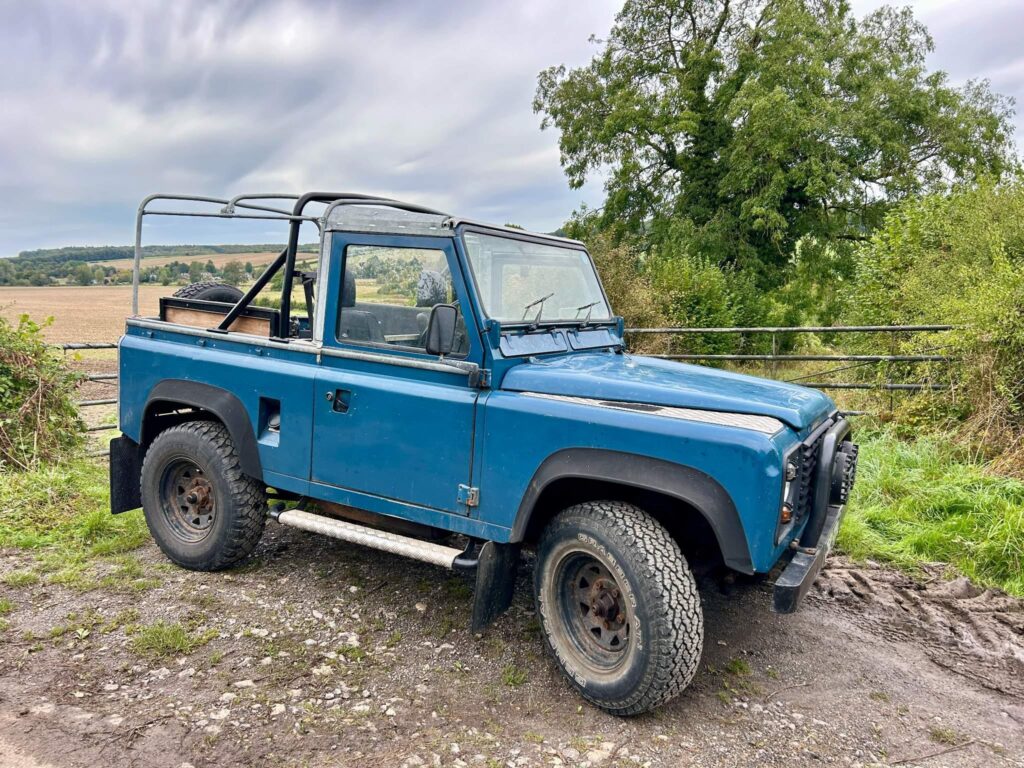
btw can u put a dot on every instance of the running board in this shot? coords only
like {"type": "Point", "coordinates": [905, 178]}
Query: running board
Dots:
{"type": "Point", "coordinates": [426, 551]}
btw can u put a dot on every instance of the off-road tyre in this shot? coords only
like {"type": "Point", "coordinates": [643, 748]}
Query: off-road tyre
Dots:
{"type": "Point", "coordinates": [657, 597]}
{"type": "Point", "coordinates": [209, 290]}
{"type": "Point", "coordinates": [200, 456]}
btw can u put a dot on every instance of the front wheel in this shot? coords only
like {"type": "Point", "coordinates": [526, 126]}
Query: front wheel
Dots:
{"type": "Point", "coordinates": [619, 606]}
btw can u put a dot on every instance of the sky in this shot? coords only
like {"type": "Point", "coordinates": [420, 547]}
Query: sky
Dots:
{"type": "Point", "coordinates": [105, 101]}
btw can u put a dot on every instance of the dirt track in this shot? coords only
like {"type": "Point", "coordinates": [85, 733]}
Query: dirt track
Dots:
{"type": "Point", "coordinates": [328, 654]}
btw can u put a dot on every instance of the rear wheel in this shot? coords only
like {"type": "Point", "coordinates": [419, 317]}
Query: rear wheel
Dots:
{"type": "Point", "coordinates": [209, 290]}
{"type": "Point", "coordinates": [619, 606]}
{"type": "Point", "coordinates": [202, 510]}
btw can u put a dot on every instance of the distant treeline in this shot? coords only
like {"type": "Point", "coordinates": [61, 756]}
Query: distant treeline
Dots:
{"type": "Point", "coordinates": [112, 252]}
{"type": "Point", "coordinates": [84, 265]}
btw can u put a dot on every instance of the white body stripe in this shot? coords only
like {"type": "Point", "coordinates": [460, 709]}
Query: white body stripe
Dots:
{"type": "Point", "coordinates": [764, 424]}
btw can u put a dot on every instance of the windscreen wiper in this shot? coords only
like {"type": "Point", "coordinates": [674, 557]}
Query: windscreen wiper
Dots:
{"type": "Point", "coordinates": [590, 308]}
{"type": "Point", "coordinates": [540, 311]}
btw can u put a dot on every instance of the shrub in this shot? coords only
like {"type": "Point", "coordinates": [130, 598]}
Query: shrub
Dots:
{"type": "Point", "coordinates": [38, 417]}
{"type": "Point", "coordinates": [957, 260]}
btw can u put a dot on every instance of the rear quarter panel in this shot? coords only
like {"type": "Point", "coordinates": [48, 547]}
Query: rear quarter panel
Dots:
{"type": "Point", "coordinates": [247, 371]}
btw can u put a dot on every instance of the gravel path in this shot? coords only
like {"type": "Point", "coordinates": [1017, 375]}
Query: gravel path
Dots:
{"type": "Point", "coordinates": [317, 653]}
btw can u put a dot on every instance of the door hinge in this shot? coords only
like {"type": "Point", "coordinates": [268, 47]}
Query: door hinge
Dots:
{"type": "Point", "coordinates": [469, 495]}
{"type": "Point", "coordinates": [483, 378]}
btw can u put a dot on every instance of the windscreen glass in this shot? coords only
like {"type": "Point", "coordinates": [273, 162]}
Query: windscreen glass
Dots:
{"type": "Point", "coordinates": [525, 281]}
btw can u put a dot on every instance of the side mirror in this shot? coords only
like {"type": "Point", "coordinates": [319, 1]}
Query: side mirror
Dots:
{"type": "Point", "coordinates": [441, 329]}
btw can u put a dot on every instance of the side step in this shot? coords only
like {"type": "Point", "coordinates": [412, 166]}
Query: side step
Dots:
{"type": "Point", "coordinates": [427, 551]}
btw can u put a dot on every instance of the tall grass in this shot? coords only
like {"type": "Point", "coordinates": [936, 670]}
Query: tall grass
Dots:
{"type": "Point", "coordinates": [926, 501]}
{"type": "Point", "coordinates": [65, 506]}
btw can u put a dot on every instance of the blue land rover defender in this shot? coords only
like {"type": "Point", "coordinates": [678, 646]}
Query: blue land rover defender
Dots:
{"type": "Point", "coordinates": [457, 392]}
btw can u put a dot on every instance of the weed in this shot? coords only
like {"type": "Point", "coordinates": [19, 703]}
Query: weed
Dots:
{"type": "Point", "coordinates": [166, 639]}
{"type": "Point", "coordinates": [353, 652]}
{"type": "Point", "coordinates": [6, 606]}
{"type": "Point", "coordinates": [123, 618]}
{"type": "Point", "coordinates": [393, 639]}
{"type": "Point", "coordinates": [737, 667]}
{"type": "Point", "coordinates": [943, 735]}
{"type": "Point", "coordinates": [20, 578]}
{"type": "Point", "coordinates": [881, 696]}
{"type": "Point", "coordinates": [512, 676]}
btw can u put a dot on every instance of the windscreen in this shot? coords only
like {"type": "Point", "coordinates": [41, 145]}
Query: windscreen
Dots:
{"type": "Point", "coordinates": [518, 280]}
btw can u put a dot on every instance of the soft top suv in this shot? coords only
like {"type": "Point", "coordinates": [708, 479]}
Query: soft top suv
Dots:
{"type": "Point", "coordinates": [457, 392]}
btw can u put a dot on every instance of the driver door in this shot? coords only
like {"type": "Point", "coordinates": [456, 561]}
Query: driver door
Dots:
{"type": "Point", "coordinates": [385, 425]}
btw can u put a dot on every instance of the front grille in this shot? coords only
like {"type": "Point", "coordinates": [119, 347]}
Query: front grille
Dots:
{"type": "Point", "coordinates": [801, 492]}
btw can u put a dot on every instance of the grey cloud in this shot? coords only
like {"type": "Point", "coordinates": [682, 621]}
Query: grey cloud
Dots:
{"type": "Point", "coordinates": [106, 101]}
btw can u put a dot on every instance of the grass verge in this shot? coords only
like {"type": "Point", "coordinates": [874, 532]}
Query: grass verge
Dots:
{"type": "Point", "coordinates": [62, 511]}
{"type": "Point", "coordinates": [65, 506]}
{"type": "Point", "coordinates": [925, 502]}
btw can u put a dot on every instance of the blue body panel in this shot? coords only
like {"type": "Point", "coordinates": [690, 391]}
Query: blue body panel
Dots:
{"type": "Point", "coordinates": [663, 382]}
{"type": "Point", "coordinates": [407, 437]}
{"type": "Point", "coordinates": [747, 464]}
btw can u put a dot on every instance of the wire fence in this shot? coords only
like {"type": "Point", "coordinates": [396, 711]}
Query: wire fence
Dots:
{"type": "Point", "coordinates": [818, 379]}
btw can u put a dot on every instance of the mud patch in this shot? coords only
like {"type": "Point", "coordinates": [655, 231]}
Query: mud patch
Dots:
{"type": "Point", "coordinates": [972, 632]}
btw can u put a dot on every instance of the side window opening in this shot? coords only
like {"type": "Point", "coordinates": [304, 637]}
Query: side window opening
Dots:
{"type": "Point", "coordinates": [388, 293]}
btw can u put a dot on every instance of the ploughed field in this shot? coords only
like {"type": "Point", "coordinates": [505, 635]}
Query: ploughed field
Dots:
{"type": "Point", "coordinates": [81, 313]}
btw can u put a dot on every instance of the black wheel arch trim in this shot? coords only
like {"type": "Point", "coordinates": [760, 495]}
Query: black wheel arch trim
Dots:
{"type": "Point", "coordinates": [692, 486]}
{"type": "Point", "coordinates": [223, 404]}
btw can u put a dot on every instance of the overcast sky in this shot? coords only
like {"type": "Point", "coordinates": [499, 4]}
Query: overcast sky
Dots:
{"type": "Point", "coordinates": [105, 101]}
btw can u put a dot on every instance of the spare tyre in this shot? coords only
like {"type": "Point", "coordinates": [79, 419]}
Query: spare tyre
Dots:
{"type": "Point", "coordinates": [209, 291]}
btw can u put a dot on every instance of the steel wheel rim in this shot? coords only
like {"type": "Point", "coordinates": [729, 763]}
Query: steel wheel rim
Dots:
{"type": "Point", "coordinates": [187, 499]}
{"type": "Point", "coordinates": [594, 611]}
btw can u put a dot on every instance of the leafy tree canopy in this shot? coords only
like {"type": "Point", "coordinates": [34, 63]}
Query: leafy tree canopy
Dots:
{"type": "Point", "coordinates": [746, 125]}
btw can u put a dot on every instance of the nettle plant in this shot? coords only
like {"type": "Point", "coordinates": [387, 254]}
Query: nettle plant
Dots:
{"type": "Point", "coordinates": [38, 418]}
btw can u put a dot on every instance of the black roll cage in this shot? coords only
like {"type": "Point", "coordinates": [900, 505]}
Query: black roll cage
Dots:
{"type": "Point", "coordinates": [296, 216]}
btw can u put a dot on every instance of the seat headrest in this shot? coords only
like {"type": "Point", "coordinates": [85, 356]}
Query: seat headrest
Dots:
{"type": "Point", "coordinates": [348, 290]}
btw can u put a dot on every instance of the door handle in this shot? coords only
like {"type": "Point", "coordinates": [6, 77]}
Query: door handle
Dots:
{"type": "Point", "coordinates": [340, 400]}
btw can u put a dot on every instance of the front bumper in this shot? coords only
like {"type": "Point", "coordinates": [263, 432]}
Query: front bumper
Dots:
{"type": "Point", "coordinates": [797, 577]}
{"type": "Point", "coordinates": [833, 481]}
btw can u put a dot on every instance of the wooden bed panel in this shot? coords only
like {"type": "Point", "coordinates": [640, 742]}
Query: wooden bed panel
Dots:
{"type": "Point", "coordinates": [197, 318]}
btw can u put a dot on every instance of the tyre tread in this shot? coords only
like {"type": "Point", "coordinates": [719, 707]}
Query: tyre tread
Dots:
{"type": "Point", "coordinates": [670, 589]}
{"type": "Point", "coordinates": [248, 495]}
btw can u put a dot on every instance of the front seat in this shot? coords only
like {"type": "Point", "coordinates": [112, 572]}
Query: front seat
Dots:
{"type": "Point", "coordinates": [357, 324]}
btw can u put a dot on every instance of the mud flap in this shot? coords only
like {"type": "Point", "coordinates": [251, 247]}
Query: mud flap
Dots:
{"type": "Point", "coordinates": [495, 583]}
{"type": "Point", "coordinates": [125, 472]}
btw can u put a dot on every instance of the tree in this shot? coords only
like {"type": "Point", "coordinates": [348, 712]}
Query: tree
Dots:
{"type": "Point", "coordinates": [744, 126]}
{"type": "Point", "coordinates": [7, 272]}
{"type": "Point", "coordinates": [84, 275]}
{"type": "Point", "coordinates": [233, 273]}
{"type": "Point", "coordinates": [195, 271]}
